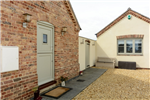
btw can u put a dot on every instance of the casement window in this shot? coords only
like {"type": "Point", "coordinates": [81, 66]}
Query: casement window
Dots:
{"type": "Point", "coordinates": [129, 46]}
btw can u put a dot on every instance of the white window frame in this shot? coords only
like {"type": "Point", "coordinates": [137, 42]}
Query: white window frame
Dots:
{"type": "Point", "coordinates": [133, 47]}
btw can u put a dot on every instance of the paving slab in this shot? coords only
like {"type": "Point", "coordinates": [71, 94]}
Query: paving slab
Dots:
{"type": "Point", "coordinates": [90, 75]}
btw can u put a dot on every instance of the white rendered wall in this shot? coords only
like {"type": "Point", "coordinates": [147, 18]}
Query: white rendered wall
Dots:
{"type": "Point", "coordinates": [107, 42]}
{"type": "Point", "coordinates": [82, 53]}
{"type": "Point", "coordinates": [149, 46]}
{"type": "Point", "coordinates": [92, 53]}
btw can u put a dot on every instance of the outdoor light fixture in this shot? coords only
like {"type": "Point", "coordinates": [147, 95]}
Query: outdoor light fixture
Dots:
{"type": "Point", "coordinates": [129, 16]}
{"type": "Point", "coordinates": [26, 19]}
{"type": "Point", "coordinates": [93, 44]}
{"type": "Point", "coordinates": [64, 29]}
{"type": "Point", "coordinates": [82, 42]}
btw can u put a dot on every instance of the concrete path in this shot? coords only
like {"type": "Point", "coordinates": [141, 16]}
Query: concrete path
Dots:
{"type": "Point", "coordinates": [90, 75]}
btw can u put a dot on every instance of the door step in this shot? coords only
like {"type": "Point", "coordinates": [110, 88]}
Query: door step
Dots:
{"type": "Point", "coordinates": [47, 86]}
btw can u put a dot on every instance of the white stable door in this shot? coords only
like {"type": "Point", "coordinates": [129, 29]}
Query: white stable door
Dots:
{"type": "Point", "coordinates": [45, 52]}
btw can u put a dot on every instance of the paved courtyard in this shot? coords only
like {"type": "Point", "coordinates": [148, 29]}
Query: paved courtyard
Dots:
{"type": "Point", "coordinates": [90, 75]}
{"type": "Point", "coordinates": [118, 84]}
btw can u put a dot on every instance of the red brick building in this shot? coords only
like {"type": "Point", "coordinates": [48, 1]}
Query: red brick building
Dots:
{"type": "Point", "coordinates": [18, 84]}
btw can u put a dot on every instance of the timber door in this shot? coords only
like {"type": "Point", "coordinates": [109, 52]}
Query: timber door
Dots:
{"type": "Point", "coordinates": [45, 52]}
{"type": "Point", "coordinates": [87, 54]}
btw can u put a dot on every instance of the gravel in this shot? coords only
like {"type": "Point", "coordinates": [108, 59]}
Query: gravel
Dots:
{"type": "Point", "coordinates": [118, 84]}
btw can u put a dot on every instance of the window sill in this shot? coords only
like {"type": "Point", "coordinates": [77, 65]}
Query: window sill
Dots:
{"type": "Point", "coordinates": [129, 54]}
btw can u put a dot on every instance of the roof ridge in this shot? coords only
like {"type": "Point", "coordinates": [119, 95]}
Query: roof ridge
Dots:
{"type": "Point", "coordinates": [129, 8]}
{"type": "Point", "coordinates": [129, 11]}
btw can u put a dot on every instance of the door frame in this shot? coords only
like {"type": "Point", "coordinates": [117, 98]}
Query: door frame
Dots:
{"type": "Point", "coordinates": [46, 24]}
{"type": "Point", "coordinates": [87, 43]}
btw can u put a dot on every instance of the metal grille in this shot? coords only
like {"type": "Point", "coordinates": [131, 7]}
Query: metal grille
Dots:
{"type": "Point", "coordinates": [80, 80]}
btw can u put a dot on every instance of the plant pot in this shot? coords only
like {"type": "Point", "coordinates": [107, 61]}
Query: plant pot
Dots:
{"type": "Point", "coordinates": [81, 73]}
{"type": "Point", "coordinates": [63, 83]}
{"type": "Point", "coordinates": [36, 94]}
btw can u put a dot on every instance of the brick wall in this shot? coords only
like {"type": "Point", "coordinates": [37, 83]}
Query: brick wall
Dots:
{"type": "Point", "coordinates": [17, 85]}
{"type": "Point", "coordinates": [130, 36]}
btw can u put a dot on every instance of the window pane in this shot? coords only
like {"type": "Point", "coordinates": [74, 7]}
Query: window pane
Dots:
{"type": "Point", "coordinates": [120, 42]}
{"type": "Point", "coordinates": [129, 49]}
{"type": "Point", "coordinates": [44, 38]}
{"type": "Point", "coordinates": [138, 43]}
{"type": "Point", "coordinates": [120, 49]}
{"type": "Point", "coordinates": [129, 43]}
{"type": "Point", "coordinates": [138, 49]}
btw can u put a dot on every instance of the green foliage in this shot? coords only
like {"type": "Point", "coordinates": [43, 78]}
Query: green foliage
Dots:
{"type": "Point", "coordinates": [63, 78]}
{"type": "Point", "coordinates": [35, 89]}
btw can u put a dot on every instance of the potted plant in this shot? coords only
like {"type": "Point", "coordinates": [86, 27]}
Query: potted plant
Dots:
{"type": "Point", "coordinates": [63, 79]}
{"type": "Point", "coordinates": [81, 73]}
{"type": "Point", "coordinates": [36, 93]}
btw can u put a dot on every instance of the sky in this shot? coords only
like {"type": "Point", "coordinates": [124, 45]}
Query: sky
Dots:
{"type": "Point", "coordinates": [94, 15]}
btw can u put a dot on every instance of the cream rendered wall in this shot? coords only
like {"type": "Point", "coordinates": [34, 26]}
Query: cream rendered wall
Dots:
{"type": "Point", "coordinates": [92, 53]}
{"type": "Point", "coordinates": [149, 45]}
{"type": "Point", "coordinates": [82, 53]}
{"type": "Point", "coordinates": [107, 42]}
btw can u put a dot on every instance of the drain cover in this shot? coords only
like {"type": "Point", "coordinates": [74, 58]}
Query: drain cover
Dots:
{"type": "Point", "coordinates": [80, 80]}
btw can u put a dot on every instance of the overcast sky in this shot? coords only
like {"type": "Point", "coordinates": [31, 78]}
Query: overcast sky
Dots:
{"type": "Point", "coordinates": [94, 15]}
